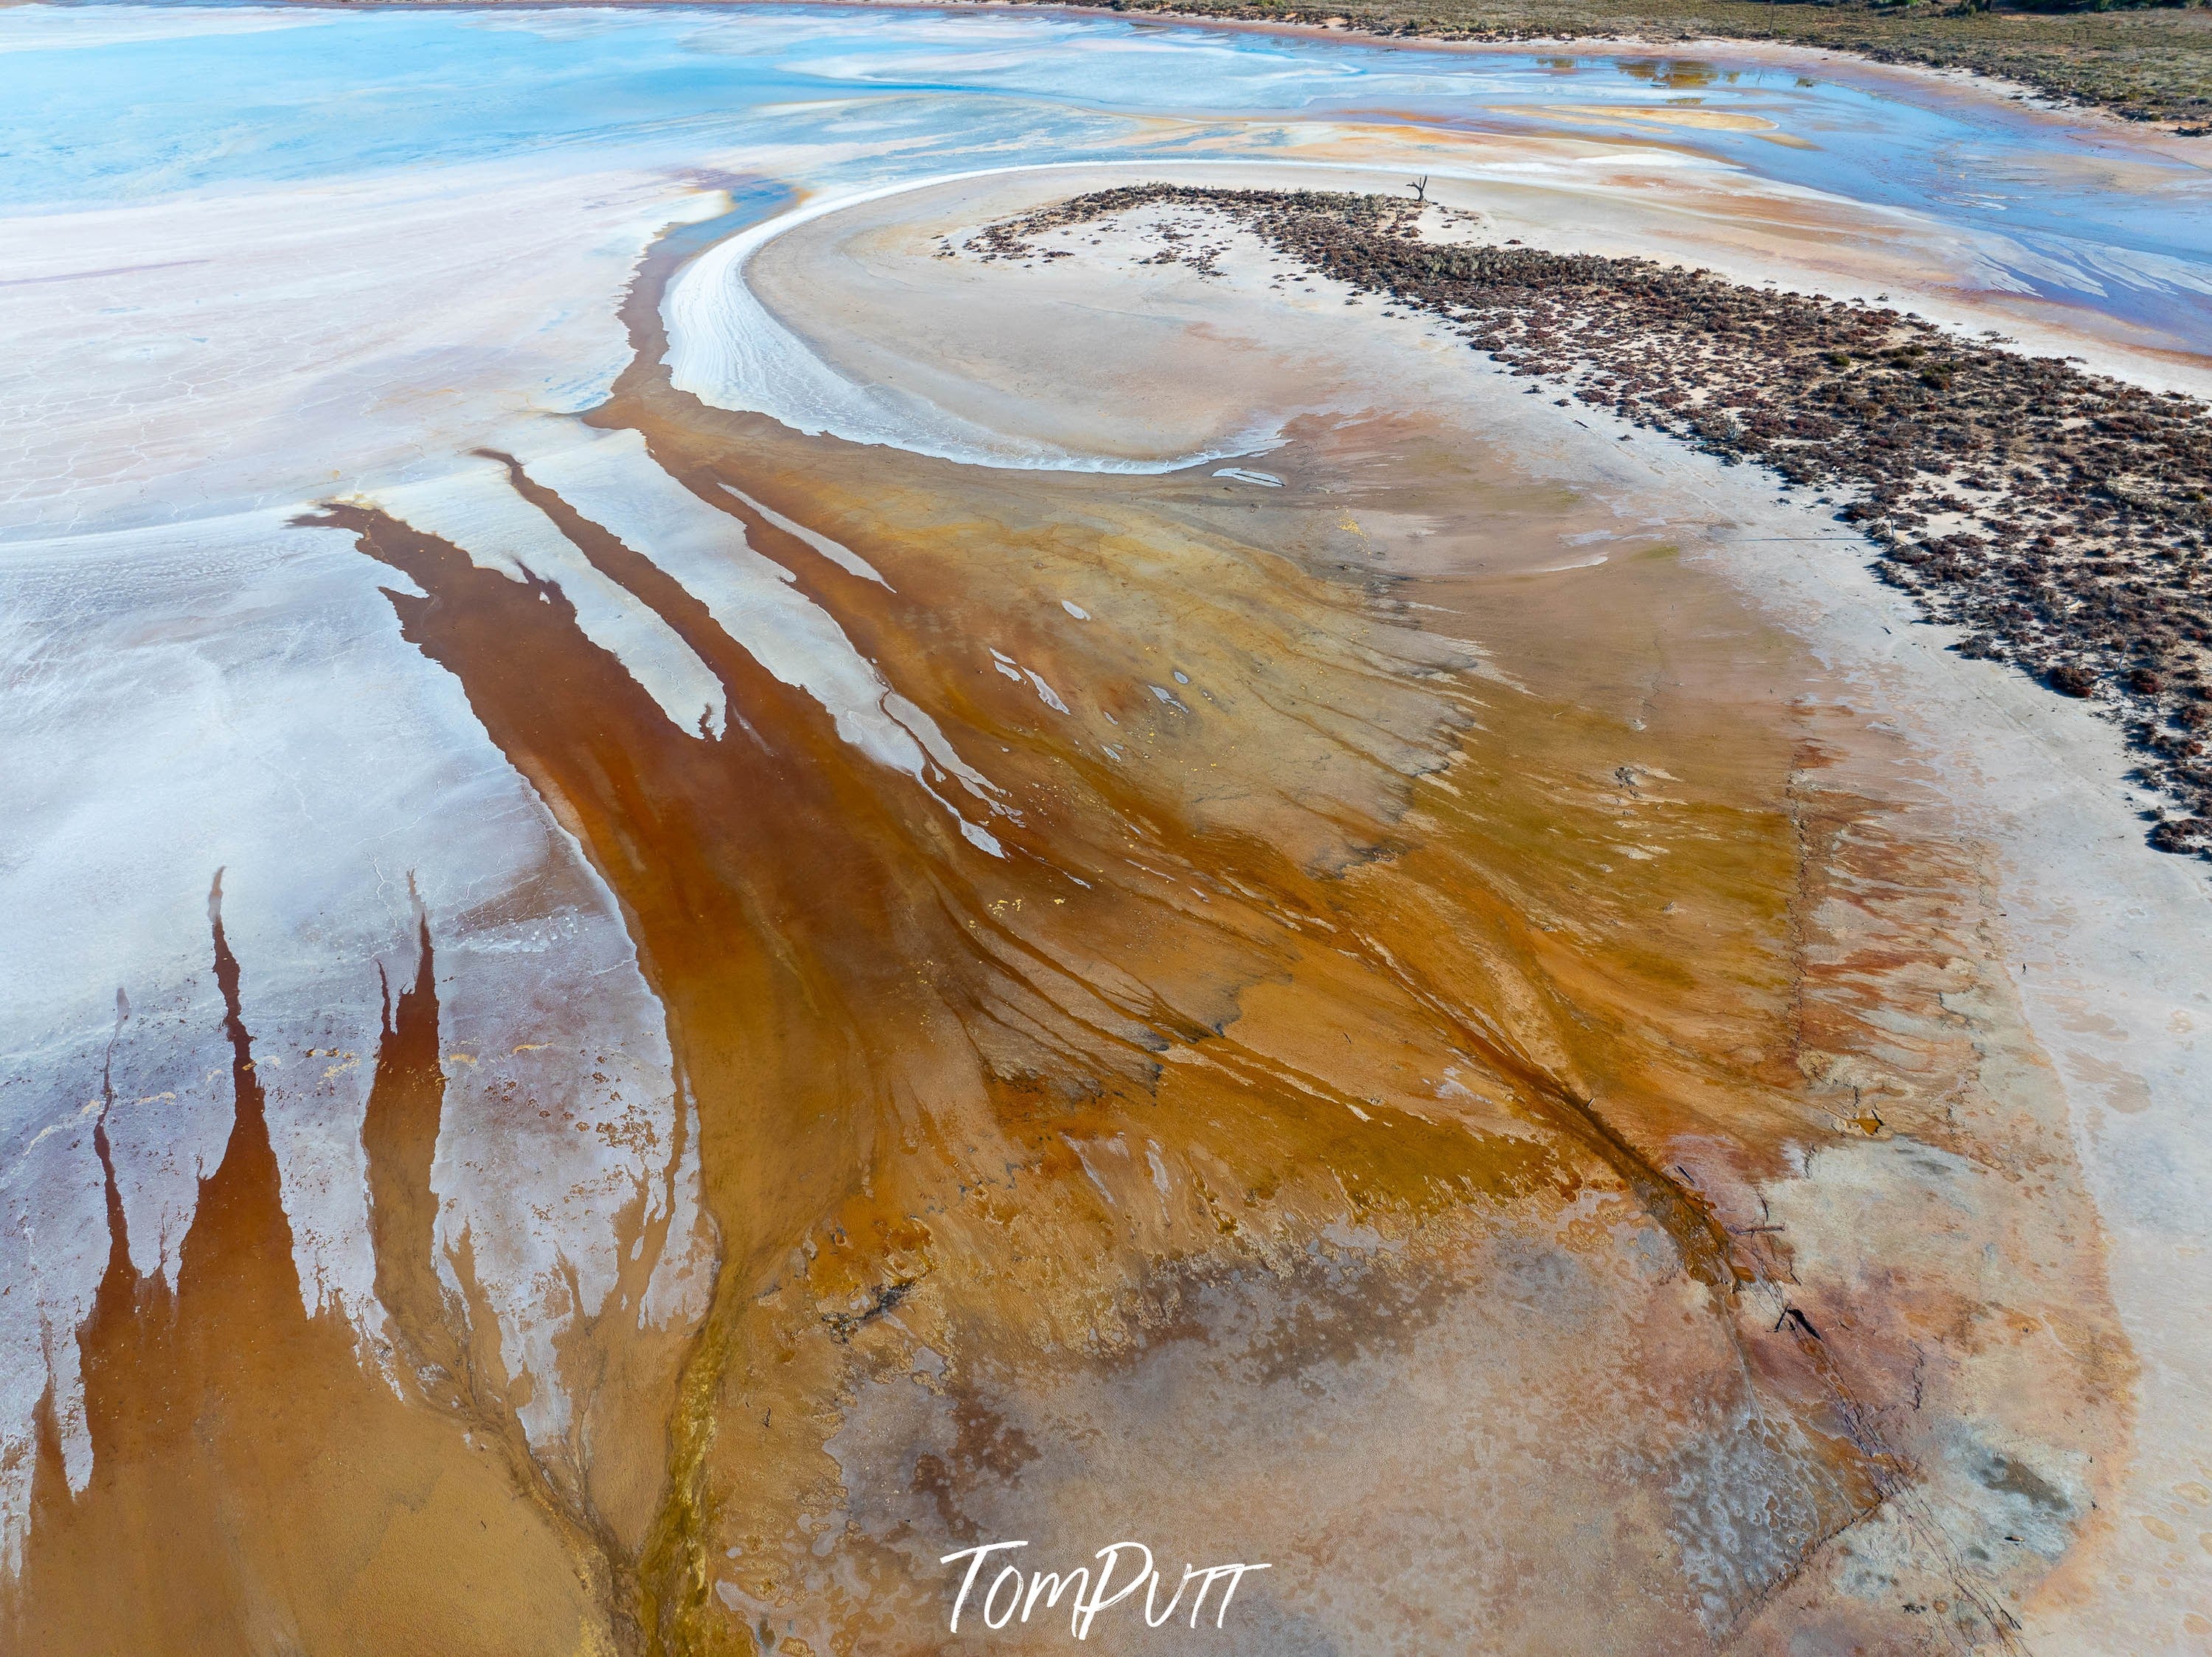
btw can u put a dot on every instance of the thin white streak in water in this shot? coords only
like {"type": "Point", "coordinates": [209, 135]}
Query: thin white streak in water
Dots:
{"type": "Point", "coordinates": [477, 510]}
{"type": "Point", "coordinates": [843, 556]}
{"type": "Point", "coordinates": [613, 481]}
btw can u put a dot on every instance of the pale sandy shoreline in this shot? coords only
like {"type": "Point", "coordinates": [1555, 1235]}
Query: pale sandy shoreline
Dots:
{"type": "Point", "coordinates": [2105, 941]}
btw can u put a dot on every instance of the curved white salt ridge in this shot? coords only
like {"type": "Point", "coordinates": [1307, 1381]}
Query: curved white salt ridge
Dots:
{"type": "Point", "coordinates": [843, 556]}
{"type": "Point", "coordinates": [726, 350]}
{"type": "Point", "coordinates": [612, 480]}
{"type": "Point", "coordinates": [477, 510]}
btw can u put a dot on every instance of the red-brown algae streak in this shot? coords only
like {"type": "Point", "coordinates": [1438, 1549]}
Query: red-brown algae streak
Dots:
{"type": "Point", "coordinates": [399, 1139]}
{"type": "Point", "coordinates": [253, 1479]}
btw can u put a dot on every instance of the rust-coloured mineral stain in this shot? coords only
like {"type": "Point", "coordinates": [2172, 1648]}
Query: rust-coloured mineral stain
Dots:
{"type": "Point", "coordinates": [1308, 923]}
{"type": "Point", "coordinates": [911, 1053]}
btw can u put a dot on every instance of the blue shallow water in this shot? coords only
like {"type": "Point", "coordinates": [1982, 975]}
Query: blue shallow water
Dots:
{"type": "Point", "coordinates": [122, 103]}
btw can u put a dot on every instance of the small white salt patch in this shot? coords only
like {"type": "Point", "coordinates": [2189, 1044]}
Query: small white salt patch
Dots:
{"type": "Point", "coordinates": [1045, 692]}
{"type": "Point", "coordinates": [1075, 609]}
